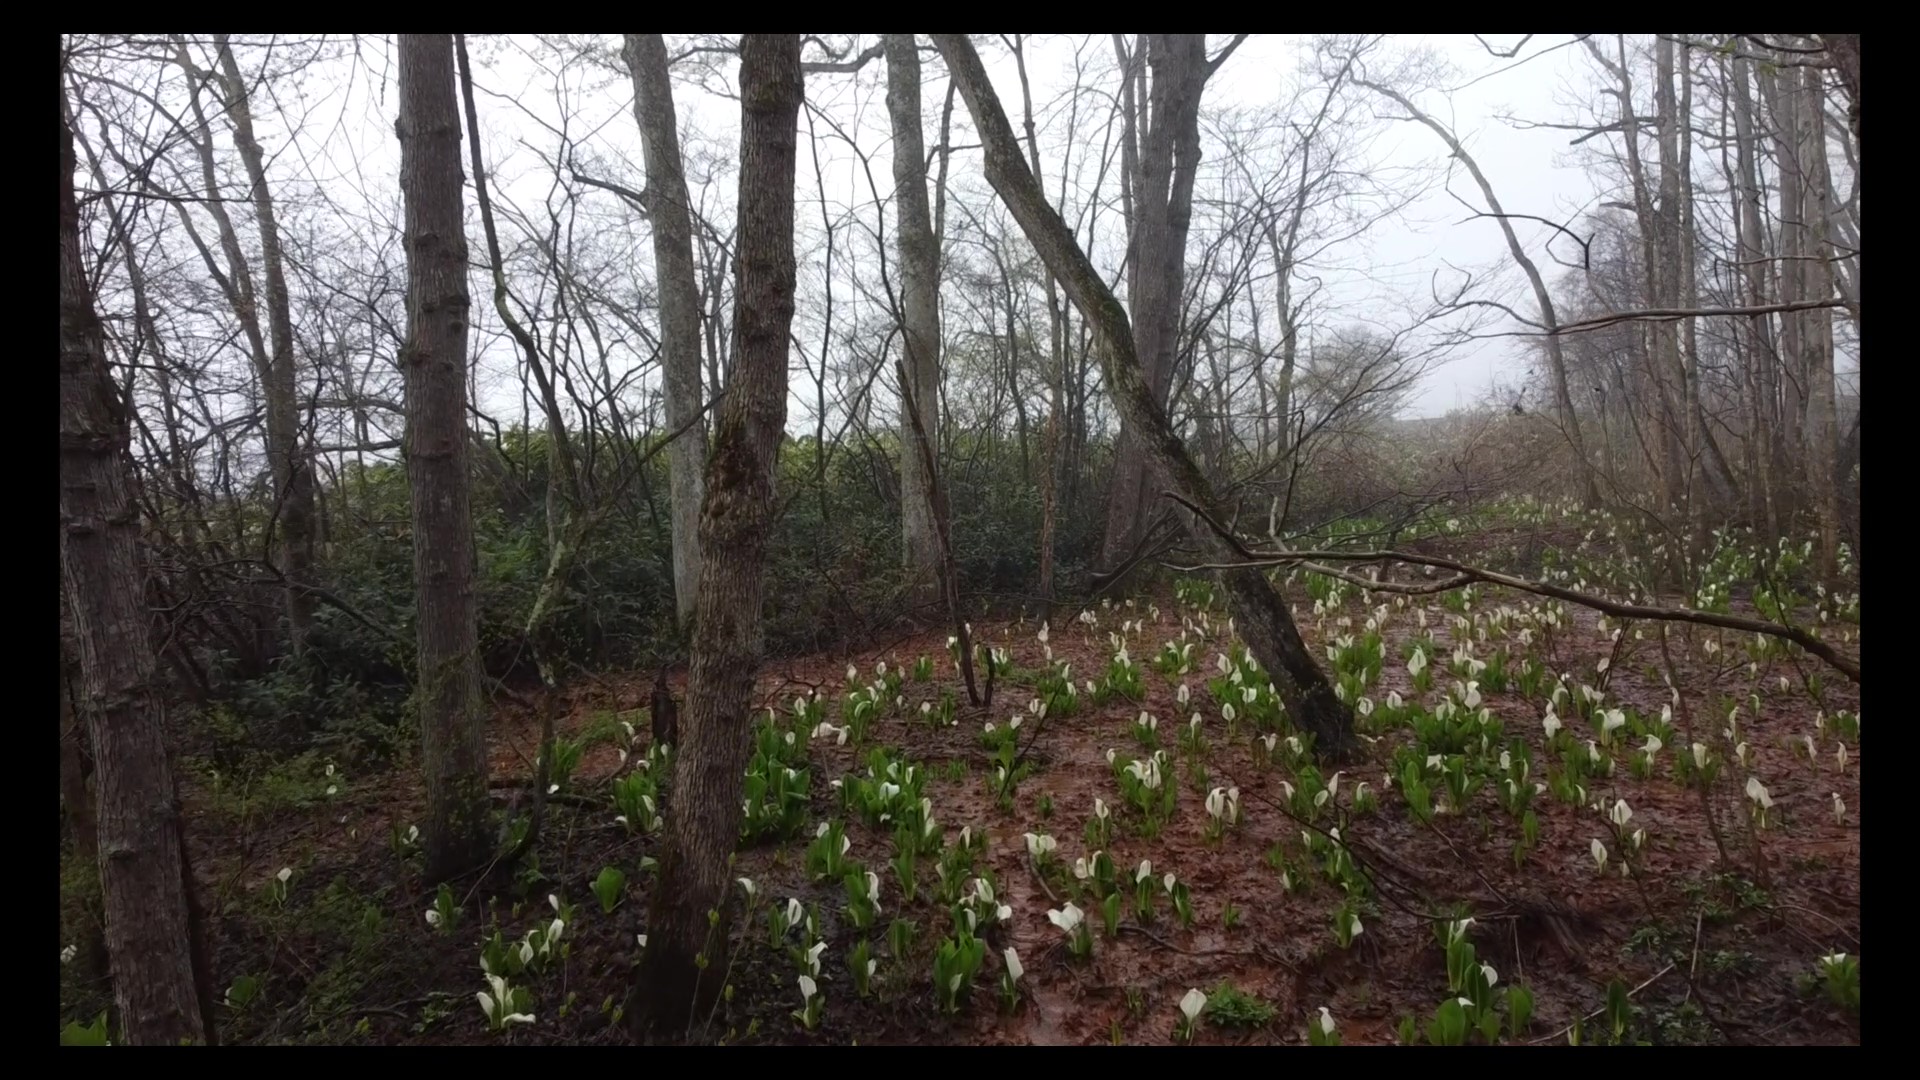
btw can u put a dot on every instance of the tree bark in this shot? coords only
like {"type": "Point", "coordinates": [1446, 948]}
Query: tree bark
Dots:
{"type": "Point", "coordinates": [684, 966]}
{"type": "Point", "coordinates": [1169, 158]}
{"type": "Point", "coordinates": [287, 447]}
{"type": "Point", "coordinates": [434, 363]}
{"type": "Point", "coordinates": [1844, 50]}
{"type": "Point", "coordinates": [672, 222]}
{"type": "Point", "coordinates": [76, 802]}
{"type": "Point", "coordinates": [1822, 434]}
{"type": "Point", "coordinates": [920, 321]}
{"type": "Point", "coordinates": [1758, 336]}
{"type": "Point", "coordinates": [149, 926]}
{"type": "Point", "coordinates": [1264, 621]}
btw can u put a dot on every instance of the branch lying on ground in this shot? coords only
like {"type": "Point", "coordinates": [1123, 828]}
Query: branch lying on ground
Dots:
{"type": "Point", "coordinates": [1467, 575]}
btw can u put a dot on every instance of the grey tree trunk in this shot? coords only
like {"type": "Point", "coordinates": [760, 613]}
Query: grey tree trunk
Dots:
{"type": "Point", "coordinates": [1759, 337]}
{"type": "Point", "coordinates": [434, 363]}
{"type": "Point", "coordinates": [1169, 158]}
{"type": "Point", "coordinates": [672, 221]}
{"type": "Point", "coordinates": [1822, 432]}
{"type": "Point", "coordinates": [1778, 90]}
{"type": "Point", "coordinates": [920, 322]}
{"type": "Point", "coordinates": [149, 926]}
{"type": "Point", "coordinates": [1263, 618]}
{"type": "Point", "coordinates": [684, 966]}
{"type": "Point", "coordinates": [1663, 272]}
{"type": "Point", "coordinates": [286, 445]}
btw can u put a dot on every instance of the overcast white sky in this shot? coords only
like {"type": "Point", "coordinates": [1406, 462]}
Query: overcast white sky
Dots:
{"type": "Point", "coordinates": [1525, 167]}
{"type": "Point", "coordinates": [1528, 168]}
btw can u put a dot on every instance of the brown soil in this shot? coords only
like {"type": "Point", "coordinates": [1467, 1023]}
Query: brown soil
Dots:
{"type": "Point", "coordinates": [1711, 963]}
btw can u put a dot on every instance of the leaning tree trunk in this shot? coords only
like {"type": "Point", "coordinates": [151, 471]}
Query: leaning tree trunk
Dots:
{"type": "Point", "coordinates": [149, 926]}
{"type": "Point", "coordinates": [1556, 357]}
{"type": "Point", "coordinates": [434, 362]}
{"type": "Point", "coordinates": [920, 322]}
{"type": "Point", "coordinates": [646, 56]}
{"type": "Point", "coordinates": [685, 963]}
{"type": "Point", "coordinates": [1264, 621]}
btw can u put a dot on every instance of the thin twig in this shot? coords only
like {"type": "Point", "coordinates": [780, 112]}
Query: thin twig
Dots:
{"type": "Point", "coordinates": [1655, 977]}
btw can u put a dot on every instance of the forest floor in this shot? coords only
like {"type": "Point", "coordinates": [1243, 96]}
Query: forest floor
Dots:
{"type": "Point", "coordinates": [1691, 948]}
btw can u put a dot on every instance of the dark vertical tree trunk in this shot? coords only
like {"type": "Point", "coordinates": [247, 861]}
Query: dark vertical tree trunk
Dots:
{"type": "Point", "coordinates": [434, 363]}
{"type": "Point", "coordinates": [1844, 51]}
{"type": "Point", "coordinates": [76, 793]}
{"type": "Point", "coordinates": [1264, 621]}
{"type": "Point", "coordinates": [76, 801]}
{"type": "Point", "coordinates": [685, 963]}
{"type": "Point", "coordinates": [143, 883]}
{"type": "Point", "coordinates": [672, 222]}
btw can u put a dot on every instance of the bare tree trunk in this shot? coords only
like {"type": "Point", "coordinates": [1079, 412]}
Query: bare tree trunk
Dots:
{"type": "Point", "coordinates": [76, 794]}
{"type": "Point", "coordinates": [668, 211]}
{"type": "Point", "coordinates": [919, 302]}
{"type": "Point", "coordinates": [1020, 427]}
{"type": "Point", "coordinates": [143, 875]}
{"type": "Point", "coordinates": [1705, 456]}
{"type": "Point", "coordinates": [287, 444]}
{"type": "Point", "coordinates": [1779, 92]}
{"type": "Point", "coordinates": [1752, 249]}
{"type": "Point", "coordinates": [1821, 428]}
{"type": "Point", "coordinates": [1264, 620]}
{"type": "Point", "coordinates": [685, 962]}
{"type": "Point", "coordinates": [1163, 208]}
{"type": "Point", "coordinates": [1663, 274]}
{"type": "Point", "coordinates": [434, 362]}
{"type": "Point", "coordinates": [77, 812]}
{"type": "Point", "coordinates": [1844, 49]}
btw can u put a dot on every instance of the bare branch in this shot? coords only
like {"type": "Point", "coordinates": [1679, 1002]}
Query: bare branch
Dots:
{"type": "Point", "coordinates": [1213, 65]}
{"type": "Point", "coordinates": [1466, 575]}
{"type": "Point", "coordinates": [842, 67]}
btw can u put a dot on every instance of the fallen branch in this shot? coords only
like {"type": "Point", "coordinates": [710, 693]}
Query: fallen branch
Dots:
{"type": "Point", "coordinates": [1467, 575]}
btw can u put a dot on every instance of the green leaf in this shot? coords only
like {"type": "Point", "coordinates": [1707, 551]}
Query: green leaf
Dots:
{"type": "Point", "coordinates": [243, 992]}
{"type": "Point", "coordinates": [1519, 1009]}
{"type": "Point", "coordinates": [1619, 1009]}
{"type": "Point", "coordinates": [1449, 1024]}
{"type": "Point", "coordinates": [78, 1034]}
{"type": "Point", "coordinates": [610, 888]}
{"type": "Point", "coordinates": [1409, 1031]}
